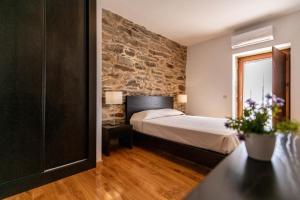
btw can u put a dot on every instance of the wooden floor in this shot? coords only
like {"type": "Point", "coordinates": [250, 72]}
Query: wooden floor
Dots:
{"type": "Point", "coordinates": [134, 174]}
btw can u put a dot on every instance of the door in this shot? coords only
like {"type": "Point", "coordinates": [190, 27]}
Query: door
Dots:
{"type": "Point", "coordinates": [281, 79]}
{"type": "Point", "coordinates": [66, 83]}
{"type": "Point", "coordinates": [47, 91]}
{"type": "Point", "coordinates": [21, 61]}
{"type": "Point", "coordinates": [262, 74]}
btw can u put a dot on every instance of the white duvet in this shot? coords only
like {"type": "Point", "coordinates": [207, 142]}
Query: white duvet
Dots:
{"type": "Point", "coordinates": [203, 132]}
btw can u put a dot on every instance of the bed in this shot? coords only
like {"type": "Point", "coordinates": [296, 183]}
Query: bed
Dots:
{"type": "Point", "coordinates": [203, 140]}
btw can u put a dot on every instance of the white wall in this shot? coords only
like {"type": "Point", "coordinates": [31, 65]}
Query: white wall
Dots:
{"type": "Point", "coordinates": [208, 75]}
{"type": "Point", "coordinates": [99, 82]}
{"type": "Point", "coordinates": [209, 69]}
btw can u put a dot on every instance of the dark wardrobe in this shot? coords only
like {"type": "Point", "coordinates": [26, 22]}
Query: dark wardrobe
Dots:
{"type": "Point", "coordinates": [47, 91]}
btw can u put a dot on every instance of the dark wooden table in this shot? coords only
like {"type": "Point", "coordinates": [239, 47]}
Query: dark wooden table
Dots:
{"type": "Point", "coordinates": [121, 132]}
{"type": "Point", "coordinates": [241, 178]}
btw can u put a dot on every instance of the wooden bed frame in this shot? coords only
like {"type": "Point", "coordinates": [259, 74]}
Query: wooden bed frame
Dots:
{"type": "Point", "coordinates": [198, 155]}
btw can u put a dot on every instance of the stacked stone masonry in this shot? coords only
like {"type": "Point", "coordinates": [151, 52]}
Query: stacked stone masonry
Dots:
{"type": "Point", "coordinates": [138, 62]}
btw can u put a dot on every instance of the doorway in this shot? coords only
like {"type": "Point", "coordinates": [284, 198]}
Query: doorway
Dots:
{"type": "Point", "coordinates": [267, 73]}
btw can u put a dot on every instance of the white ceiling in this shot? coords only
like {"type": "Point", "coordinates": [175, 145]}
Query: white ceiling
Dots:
{"type": "Point", "coordinates": [192, 21]}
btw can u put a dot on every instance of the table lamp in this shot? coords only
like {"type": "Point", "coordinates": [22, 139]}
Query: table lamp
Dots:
{"type": "Point", "coordinates": [113, 98]}
{"type": "Point", "coordinates": [182, 99]}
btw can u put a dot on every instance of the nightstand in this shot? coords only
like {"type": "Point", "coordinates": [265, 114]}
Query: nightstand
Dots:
{"type": "Point", "coordinates": [122, 132]}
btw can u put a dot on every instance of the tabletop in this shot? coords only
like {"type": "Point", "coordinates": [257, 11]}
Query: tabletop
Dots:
{"type": "Point", "coordinates": [240, 177]}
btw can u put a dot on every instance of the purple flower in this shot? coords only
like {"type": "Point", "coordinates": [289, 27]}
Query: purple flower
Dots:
{"type": "Point", "coordinates": [278, 101]}
{"type": "Point", "coordinates": [241, 137]}
{"type": "Point", "coordinates": [269, 96]}
{"type": "Point", "coordinates": [227, 124]}
{"type": "Point", "coordinates": [251, 103]}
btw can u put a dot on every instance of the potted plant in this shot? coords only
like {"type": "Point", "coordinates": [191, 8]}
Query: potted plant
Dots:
{"type": "Point", "coordinates": [255, 127]}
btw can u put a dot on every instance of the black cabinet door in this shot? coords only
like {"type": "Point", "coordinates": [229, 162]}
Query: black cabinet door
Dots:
{"type": "Point", "coordinates": [21, 61]}
{"type": "Point", "coordinates": [66, 83]}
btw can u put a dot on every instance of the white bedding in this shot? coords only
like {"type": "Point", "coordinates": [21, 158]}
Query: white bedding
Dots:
{"type": "Point", "coordinates": [203, 132]}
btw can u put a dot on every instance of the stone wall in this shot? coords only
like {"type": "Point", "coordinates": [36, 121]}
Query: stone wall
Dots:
{"type": "Point", "coordinates": [138, 62]}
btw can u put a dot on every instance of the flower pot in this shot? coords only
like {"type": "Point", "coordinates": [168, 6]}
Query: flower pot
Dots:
{"type": "Point", "coordinates": [260, 147]}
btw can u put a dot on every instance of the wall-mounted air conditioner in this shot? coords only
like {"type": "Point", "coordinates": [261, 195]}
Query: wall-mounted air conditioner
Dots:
{"type": "Point", "coordinates": [252, 37]}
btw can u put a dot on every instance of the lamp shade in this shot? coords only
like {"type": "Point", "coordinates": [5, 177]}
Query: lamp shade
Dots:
{"type": "Point", "coordinates": [182, 98]}
{"type": "Point", "coordinates": [114, 97]}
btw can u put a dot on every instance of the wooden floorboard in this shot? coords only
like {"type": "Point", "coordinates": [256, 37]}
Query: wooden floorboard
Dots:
{"type": "Point", "coordinates": [135, 174]}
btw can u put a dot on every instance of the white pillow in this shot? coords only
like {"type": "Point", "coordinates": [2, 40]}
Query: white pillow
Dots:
{"type": "Point", "coordinates": [152, 114]}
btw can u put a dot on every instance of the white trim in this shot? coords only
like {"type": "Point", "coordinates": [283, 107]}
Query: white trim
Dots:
{"type": "Point", "coordinates": [99, 83]}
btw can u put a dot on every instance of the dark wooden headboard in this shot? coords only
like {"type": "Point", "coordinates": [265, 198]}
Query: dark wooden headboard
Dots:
{"type": "Point", "coordinates": [140, 103]}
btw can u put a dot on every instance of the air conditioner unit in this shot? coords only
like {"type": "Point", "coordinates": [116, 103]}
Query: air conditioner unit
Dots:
{"type": "Point", "coordinates": [257, 36]}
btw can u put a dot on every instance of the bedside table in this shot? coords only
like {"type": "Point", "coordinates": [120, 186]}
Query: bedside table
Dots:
{"type": "Point", "coordinates": [122, 132]}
